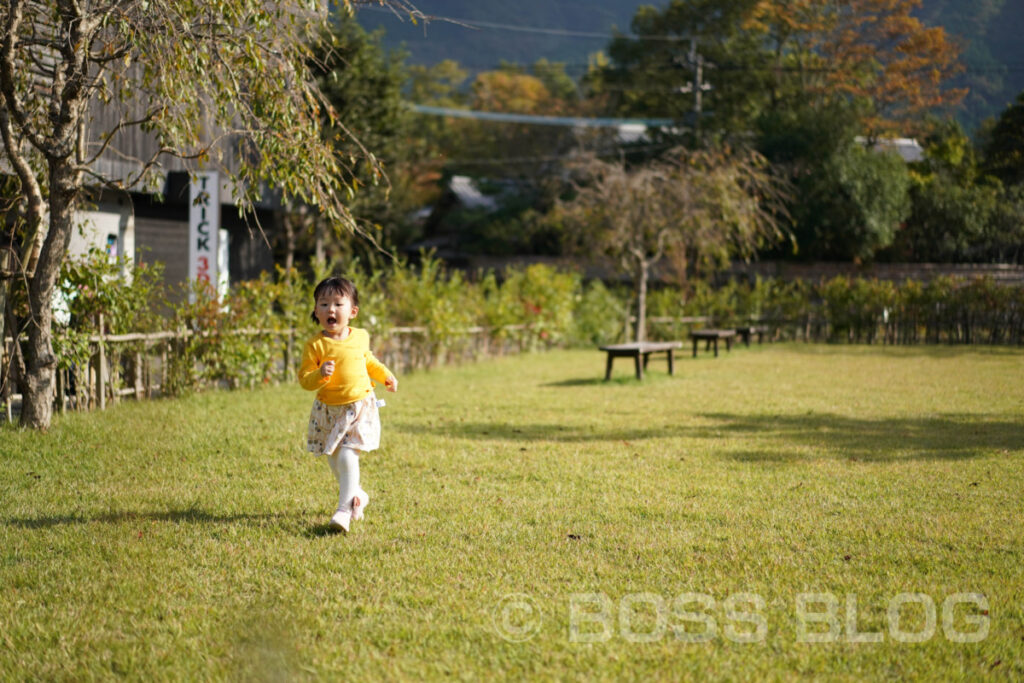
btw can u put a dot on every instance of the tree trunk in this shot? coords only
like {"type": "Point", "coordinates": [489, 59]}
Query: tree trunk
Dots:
{"type": "Point", "coordinates": [289, 243]}
{"type": "Point", "coordinates": [320, 250]}
{"type": "Point", "coordinates": [3, 320]}
{"type": "Point", "coordinates": [40, 361]}
{"type": "Point", "coordinates": [643, 272]}
{"type": "Point", "coordinates": [14, 370]}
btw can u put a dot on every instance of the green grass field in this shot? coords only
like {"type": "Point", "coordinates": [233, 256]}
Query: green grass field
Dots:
{"type": "Point", "coordinates": [530, 520]}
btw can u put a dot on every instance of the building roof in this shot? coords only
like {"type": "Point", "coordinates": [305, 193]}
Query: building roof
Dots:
{"type": "Point", "coordinates": [468, 194]}
{"type": "Point", "coordinates": [908, 148]}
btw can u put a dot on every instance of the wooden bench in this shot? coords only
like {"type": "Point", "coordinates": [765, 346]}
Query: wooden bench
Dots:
{"type": "Point", "coordinates": [636, 351]}
{"type": "Point", "coordinates": [712, 337]}
{"type": "Point", "coordinates": [747, 331]}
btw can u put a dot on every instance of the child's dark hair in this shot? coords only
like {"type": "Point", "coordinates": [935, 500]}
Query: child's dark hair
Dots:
{"type": "Point", "coordinates": [335, 285]}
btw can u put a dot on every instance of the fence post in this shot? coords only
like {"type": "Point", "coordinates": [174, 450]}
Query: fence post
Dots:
{"type": "Point", "coordinates": [288, 346]}
{"type": "Point", "coordinates": [137, 372]}
{"type": "Point", "coordinates": [3, 350]}
{"type": "Point", "coordinates": [162, 376]}
{"type": "Point", "coordinates": [76, 369]}
{"type": "Point", "coordinates": [60, 391]}
{"type": "Point", "coordinates": [147, 372]}
{"type": "Point", "coordinates": [101, 370]}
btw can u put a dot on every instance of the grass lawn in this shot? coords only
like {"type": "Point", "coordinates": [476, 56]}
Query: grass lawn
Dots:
{"type": "Point", "coordinates": [530, 520]}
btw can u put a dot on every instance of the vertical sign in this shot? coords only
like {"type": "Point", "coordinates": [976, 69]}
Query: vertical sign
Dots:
{"type": "Point", "coordinates": [203, 228]}
{"type": "Point", "coordinates": [223, 264]}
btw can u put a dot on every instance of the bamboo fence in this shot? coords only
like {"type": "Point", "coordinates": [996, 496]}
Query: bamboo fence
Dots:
{"type": "Point", "coordinates": [111, 375]}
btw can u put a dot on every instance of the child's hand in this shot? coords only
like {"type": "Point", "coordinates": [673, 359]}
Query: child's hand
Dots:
{"type": "Point", "coordinates": [391, 383]}
{"type": "Point", "coordinates": [327, 369]}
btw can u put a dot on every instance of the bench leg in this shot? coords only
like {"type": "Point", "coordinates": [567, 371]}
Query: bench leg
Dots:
{"type": "Point", "coordinates": [694, 347]}
{"type": "Point", "coordinates": [716, 346]}
{"type": "Point", "coordinates": [646, 357]}
{"type": "Point", "coordinates": [671, 368]}
{"type": "Point", "coordinates": [608, 368]}
{"type": "Point", "coordinates": [728, 344]}
{"type": "Point", "coordinates": [639, 366]}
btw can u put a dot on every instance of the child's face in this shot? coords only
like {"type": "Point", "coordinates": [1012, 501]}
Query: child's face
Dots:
{"type": "Point", "coordinates": [334, 312]}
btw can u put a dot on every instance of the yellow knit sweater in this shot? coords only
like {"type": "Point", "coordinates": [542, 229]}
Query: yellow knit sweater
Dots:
{"type": "Point", "coordinates": [354, 365]}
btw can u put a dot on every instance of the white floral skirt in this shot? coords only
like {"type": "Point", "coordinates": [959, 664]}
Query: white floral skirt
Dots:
{"type": "Point", "coordinates": [352, 425]}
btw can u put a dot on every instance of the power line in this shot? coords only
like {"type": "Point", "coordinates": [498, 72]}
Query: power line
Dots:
{"type": "Point", "coordinates": [568, 33]}
{"type": "Point", "coordinates": [565, 33]}
{"type": "Point", "coordinates": [497, 161]}
{"type": "Point", "coordinates": [572, 68]}
{"type": "Point", "coordinates": [567, 121]}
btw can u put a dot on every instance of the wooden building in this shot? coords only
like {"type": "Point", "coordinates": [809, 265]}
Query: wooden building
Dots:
{"type": "Point", "coordinates": [151, 223]}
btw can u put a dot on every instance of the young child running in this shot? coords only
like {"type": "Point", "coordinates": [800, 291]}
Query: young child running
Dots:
{"type": "Point", "coordinates": [337, 364]}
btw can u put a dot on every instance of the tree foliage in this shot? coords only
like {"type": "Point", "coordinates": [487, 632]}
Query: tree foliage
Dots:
{"type": "Point", "coordinates": [487, 148]}
{"type": "Point", "coordinates": [960, 213]}
{"type": "Point", "coordinates": [223, 84]}
{"type": "Point", "coordinates": [847, 200]}
{"type": "Point", "coordinates": [697, 208]}
{"type": "Point", "coordinates": [879, 51]}
{"type": "Point", "coordinates": [1004, 149]}
{"type": "Point", "coordinates": [762, 55]}
{"type": "Point", "coordinates": [363, 84]}
{"type": "Point", "coordinates": [518, 164]}
{"type": "Point", "coordinates": [653, 74]}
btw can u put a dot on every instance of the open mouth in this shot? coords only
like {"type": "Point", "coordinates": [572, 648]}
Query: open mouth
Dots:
{"type": "Point", "coordinates": [331, 320]}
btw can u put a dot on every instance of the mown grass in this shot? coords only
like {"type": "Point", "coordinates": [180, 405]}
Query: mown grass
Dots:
{"type": "Point", "coordinates": [187, 539]}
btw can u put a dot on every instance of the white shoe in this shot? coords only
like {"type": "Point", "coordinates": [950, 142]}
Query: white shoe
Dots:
{"type": "Point", "coordinates": [359, 502]}
{"type": "Point", "coordinates": [340, 520]}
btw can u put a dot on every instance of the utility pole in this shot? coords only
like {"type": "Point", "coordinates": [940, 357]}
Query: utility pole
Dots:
{"type": "Point", "coordinates": [698, 86]}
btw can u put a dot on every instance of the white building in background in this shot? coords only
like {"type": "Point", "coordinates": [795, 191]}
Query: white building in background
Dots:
{"type": "Point", "coordinates": [467, 193]}
{"type": "Point", "coordinates": [149, 227]}
{"type": "Point", "coordinates": [109, 227]}
{"type": "Point", "coordinates": [908, 148]}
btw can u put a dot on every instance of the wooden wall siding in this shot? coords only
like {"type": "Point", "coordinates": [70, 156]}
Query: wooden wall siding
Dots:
{"type": "Point", "coordinates": [248, 255]}
{"type": "Point", "coordinates": [165, 241]}
{"type": "Point", "coordinates": [130, 147]}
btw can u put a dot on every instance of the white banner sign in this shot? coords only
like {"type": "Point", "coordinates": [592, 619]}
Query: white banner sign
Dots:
{"type": "Point", "coordinates": [204, 228]}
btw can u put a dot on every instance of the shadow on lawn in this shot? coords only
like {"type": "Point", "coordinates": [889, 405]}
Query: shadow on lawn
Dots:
{"type": "Point", "coordinates": [785, 437]}
{"type": "Point", "coordinates": [321, 531]}
{"type": "Point", "coordinates": [630, 379]}
{"type": "Point", "coordinates": [621, 376]}
{"type": "Point", "coordinates": [948, 437]}
{"type": "Point", "coordinates": [901, 350]}
{"type": "Point", "coordinates": [524, 432]}
{"type": "Point", "coordinates": [189, 516]}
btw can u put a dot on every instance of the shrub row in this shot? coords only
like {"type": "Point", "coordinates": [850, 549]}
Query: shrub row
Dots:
{"type": "Point", "coordinates": [842, 309]}
{"type": "Point", "coordinates": [417, 317]}
{"type": "Point", "coordinates": [424, 315]}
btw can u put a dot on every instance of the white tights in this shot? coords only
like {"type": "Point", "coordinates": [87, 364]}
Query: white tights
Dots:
{"type": "Point", "coordinates": [344, 463]}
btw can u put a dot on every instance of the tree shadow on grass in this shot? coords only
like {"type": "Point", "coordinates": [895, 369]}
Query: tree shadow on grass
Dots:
{"type": "Point", "coordinates": [784, 437]}
{"type": "Point", "coordinates": [943, 437]}
{"type": "Point", "coordinates": [901, 350]}
{"type": "Point", "coordinates": [623, 380]}
{"type": "Point", "coordinates": [590, 382]}
{"type": "Point", "coordinates": [187, 516]}
{"type": "Point", "coordinates": [532, 432]}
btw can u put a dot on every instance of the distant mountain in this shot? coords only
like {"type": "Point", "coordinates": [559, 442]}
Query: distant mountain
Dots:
{"type": "Point", "coordinates": [522, 31]}
{"type": "Point", "coordinates": [569, 31]}
{"type": "Point", "coordinates": [992, 32]}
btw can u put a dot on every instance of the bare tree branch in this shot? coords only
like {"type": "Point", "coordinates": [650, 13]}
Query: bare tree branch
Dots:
{"type": "Point", "coordinates": [8, 64]}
